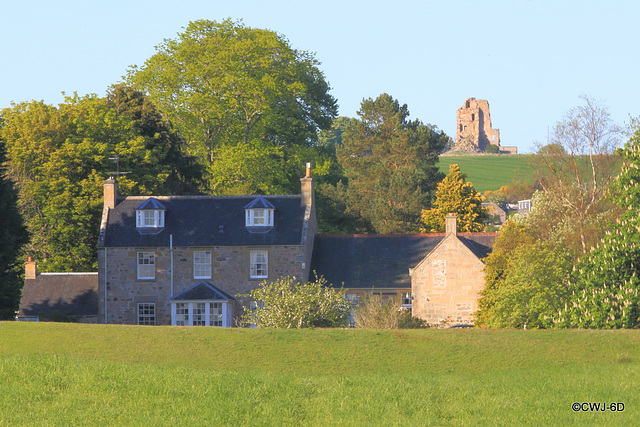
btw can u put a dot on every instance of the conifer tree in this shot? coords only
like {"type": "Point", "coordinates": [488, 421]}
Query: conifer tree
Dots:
{"type": "Point", "coordinates": [455, 195]}
{"type": "Point", "coordinates": [13, 235]}
{"type": "Point", "coordinates": [390, 164]}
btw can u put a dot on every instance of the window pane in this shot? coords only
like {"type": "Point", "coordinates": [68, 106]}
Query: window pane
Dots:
{"type": "Point", "coordinates": [202, 265]}
{"type": "Point", "coordinates": [199, 314]}
{"type": "Point", "coordinates": [215, 314]}
{"type": "Point", "coordinates": [146, 265]}
{"type": "Point", "coordinates": [258, 264]}
{"type": "Point", "coordinates": [182, 314]}
{"type": "Point", "coordinates": [146, 314]}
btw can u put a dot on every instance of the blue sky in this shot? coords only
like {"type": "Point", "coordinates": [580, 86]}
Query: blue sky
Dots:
{"type": "Point", "coordinates": [530, 59]}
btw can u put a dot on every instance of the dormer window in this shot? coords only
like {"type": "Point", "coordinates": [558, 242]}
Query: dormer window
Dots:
{"type": "Point", "coordinates": [259, 213]}
{"type": "Point", "coordinates": [150, 214]}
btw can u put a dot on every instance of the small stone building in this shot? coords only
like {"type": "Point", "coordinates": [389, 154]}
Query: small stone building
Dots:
{"type": "Point", "coordinates": [58, 296]}
{"type": "Point", "coordinates": [184, 260]}
{"type": "Point", "coordinates": [446, 284]}
{"type": "Point", "coordinates": [437, 275]}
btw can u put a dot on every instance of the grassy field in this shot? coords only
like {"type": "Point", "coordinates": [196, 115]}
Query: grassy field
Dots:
{"type": "Point", "coordinates": [490, 172]}
{"type": "Point", "coordinates": [66, 374]}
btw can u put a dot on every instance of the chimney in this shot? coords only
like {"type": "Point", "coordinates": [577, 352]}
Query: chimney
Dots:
{"type": "Point", "coordinates": [110, 193]}
{"type": "Point", "coordinates": [451, 224]}
{"type": "Point", "coordinates": [30, 269]}
{"type": "Point", "coordinates": [307, 190]}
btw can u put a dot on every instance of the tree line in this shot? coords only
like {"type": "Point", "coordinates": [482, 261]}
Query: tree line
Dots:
{"type": "Point", "coordinates": [221, 109]}
{"type": "Point", "coordinates": [228, 109]}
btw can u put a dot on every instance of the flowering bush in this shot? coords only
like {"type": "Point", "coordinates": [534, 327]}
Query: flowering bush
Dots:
{"type": "Point", "coordinates": [288, 303]}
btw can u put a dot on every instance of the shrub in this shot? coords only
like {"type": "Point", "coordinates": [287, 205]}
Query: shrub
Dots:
{"type": "Point", "coordinates": [288, 303]}
{"type": "Point", "coordinates": [379, 313]}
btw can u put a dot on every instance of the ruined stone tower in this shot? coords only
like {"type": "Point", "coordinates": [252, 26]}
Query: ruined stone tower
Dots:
{"type": "Point", "coordinates": [473, 127]}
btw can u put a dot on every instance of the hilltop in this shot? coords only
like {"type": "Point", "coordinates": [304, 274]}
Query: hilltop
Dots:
{"type": "Point", "coordinates": [490, 171]}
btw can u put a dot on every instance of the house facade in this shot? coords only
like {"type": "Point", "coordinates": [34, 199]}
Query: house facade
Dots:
{"type": "Point", "coordinates": [186, 260]}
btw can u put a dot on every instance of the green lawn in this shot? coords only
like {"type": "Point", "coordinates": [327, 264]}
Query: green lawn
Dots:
{"type": "Point", "coordinates": [490, 172]}
{"type": "Point", "coordinates": [66, 374]}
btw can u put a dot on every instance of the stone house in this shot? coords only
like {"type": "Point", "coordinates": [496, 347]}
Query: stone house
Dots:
{"type": "Point", "coordinates": [69, 296]}
{"type": "Point", "coordinates": [183, 260]}
{"type": "Point", "coordinates": [446, 284]}
{"type": "Point", "coordinates": [496, 212]}
{"type": "Point", "coordinates": [187, 260]}
{"type": "Point", "coordinates": [437, 275]}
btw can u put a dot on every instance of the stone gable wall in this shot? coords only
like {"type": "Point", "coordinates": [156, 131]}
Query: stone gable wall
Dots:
{"type": "Point", "coordinates": [447, 283]}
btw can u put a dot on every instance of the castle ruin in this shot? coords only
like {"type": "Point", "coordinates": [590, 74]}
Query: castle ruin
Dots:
{"type": "Point", "coordinates": [473, 128]}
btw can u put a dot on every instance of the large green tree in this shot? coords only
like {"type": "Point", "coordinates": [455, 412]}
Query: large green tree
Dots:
{"type": "Point", "coordinates": [605, 288]}
{"type": "Point", "coordinates": [13, 234]}
{"type": "Point", "coordinates": [59, 157]}
{"type": "Point", "coordinates": [390, 165]}
{"type": "Point", "coordinates": [455, 195]}
{"type": "Point", "coordinates": [240, 96]}
{"type": "Point", "coordinates": [525, 277]}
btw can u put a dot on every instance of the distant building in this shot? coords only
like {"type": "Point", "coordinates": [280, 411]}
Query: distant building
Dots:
{"type": "Point", "coordinates": [473, 128]}
{"type": "Point", "coordinates": [495, 211]}
{"type": "Point", "coordinates": [524, 207]}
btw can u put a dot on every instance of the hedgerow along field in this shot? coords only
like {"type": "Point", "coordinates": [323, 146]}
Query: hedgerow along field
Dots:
{"type": "Point", "coordinates": [70, 374]}
{"type": "Point", "coordinates": [490, 171]}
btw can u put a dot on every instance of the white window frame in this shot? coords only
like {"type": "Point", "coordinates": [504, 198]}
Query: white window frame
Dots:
{"type": "Point", "coordinates": [146, 313]}
{"type": "Point", "coordinates": [259, 217]}
{"type": "Point", "coordinates": [201, 313]}
{"type": "Point", "coordinates": [149, 218]}
{"type": "Point", "coordinates": [202, 264]}
{"type": "Point", "coordinates": [407, 299]}
{"type": "Point", "coordinates": [146, 263]}
{"type": "Point", "coordinates": [259, 264]}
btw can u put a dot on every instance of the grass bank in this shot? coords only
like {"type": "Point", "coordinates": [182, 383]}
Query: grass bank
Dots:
{"type": "Point", "coordinates": [65, 374]}
{"type": "Point", "coordinates": [490, 172]}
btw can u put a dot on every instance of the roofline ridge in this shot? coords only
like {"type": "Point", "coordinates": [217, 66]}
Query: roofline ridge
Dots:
{"type": "Point", "coordinates": [209, 197]}
{"type": "Point", "coordinates": [93, 273]}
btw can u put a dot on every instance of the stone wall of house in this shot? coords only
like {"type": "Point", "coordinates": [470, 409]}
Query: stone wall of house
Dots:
{"type": "Point", "coordinates": [473, 125]}
{"type": "Point", "coordinates": [447, 283]}
{"type": "Point", "coordinates": [229, 272]}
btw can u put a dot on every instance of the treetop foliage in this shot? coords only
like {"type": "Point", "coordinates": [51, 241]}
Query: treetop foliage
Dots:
{"type": "Point", "coordinates": [389, 164]}
{"type": "Point", "coordinates": [59, 158]}
{"type": "Point", "coordinates": [225, 85]}
{"type": "Point", "coordinates": [455, 195]}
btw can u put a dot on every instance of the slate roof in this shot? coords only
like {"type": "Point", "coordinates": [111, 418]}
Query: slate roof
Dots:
{"type": "Point", "coordinates": [75, 294]}
{"type": "Point", "coordinates": [381, 261]}
{"type": "Point", "coordinates": [205, 221]}
{"type": "Point", "coordinates": [202, 291]}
